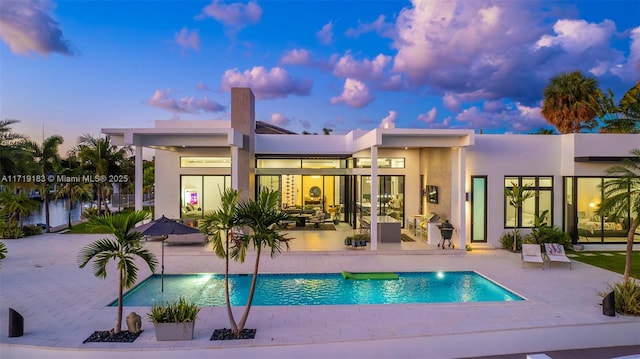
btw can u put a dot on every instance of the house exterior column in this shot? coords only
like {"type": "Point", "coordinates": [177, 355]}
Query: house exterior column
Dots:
{"type": "Point", "coordinates": [458, 204]}
{"type": "Point", "coordinates": [138, 173]}
{"type": "Point", "coordinates": [374, 198]}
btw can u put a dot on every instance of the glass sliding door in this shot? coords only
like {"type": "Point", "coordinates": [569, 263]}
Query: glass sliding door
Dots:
{"type": "Point", "coordinates": [201, 194]}
{"type": "Point", "coordinates": [478, 209]}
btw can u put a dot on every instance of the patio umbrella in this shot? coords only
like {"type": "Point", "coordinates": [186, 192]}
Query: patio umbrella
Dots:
{"type": "Point", "coordinates": [164, 227]}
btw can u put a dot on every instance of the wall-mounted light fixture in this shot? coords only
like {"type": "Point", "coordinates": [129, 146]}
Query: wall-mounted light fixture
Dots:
{"type": "Point", "coordinates": [467, 196]}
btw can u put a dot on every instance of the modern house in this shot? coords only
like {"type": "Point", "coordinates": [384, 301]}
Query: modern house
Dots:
{"type": "Point", "coordinates": [385, 176]}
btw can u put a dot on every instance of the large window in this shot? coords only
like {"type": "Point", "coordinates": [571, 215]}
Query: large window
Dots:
{"type": "Point", "coordinates": [385, 162]}
{"type": "Point", "coordinates": [525, 215]}
{"type": "Point", "coordinates": [390, 196]}
{"type": "Point", "coordinates": [206, 162]}
{"type": "Point", "coordinates": [201, 194]}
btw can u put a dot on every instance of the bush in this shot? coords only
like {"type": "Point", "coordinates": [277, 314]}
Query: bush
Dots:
{"type": "Point", "coordinates": [90, 213]}
{"type": "Point", "coordinates": [31, 230]}
{"type": "Point", "coordinates": [180, 311]}
{"type": "Point", "coordinates": [357, 237]}
{"type": "Point", "coordinates": [627, 296]}
{"type": "Point", "coordinates": [11, 230]}
{"type": "Point", "coordinates": [506, 240]}
{"type": "Point", "coordinates": [548, 235]}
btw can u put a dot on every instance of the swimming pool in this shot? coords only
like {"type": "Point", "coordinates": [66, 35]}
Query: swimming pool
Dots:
{"type": "Point", "coordinates": [320, 289]}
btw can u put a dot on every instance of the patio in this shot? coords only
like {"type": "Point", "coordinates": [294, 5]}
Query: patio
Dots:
{"type": "Point", "coordinates": [62, 305]}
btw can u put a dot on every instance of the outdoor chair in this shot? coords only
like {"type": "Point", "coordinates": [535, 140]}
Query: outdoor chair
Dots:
{"type": "Point", "coordinates": [317, 219]}
{"type": "Point", "coordinates": [531, 253]}
{"type": "Point", "coordinates": [555, 253]}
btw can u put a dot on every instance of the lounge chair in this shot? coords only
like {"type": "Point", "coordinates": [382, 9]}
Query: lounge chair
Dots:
{"type": "Point", "coordinates": [555, 253]}
{"type": "Point", "coordinates": [531, 253]}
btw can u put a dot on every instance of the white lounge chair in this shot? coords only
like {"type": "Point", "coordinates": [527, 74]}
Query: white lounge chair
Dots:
{"type": "Point", "coordinates": [555, 253]}
{"type": "Point", "coordinates": [531, 253]}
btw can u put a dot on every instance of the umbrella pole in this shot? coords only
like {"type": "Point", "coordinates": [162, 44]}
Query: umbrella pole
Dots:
{"type": "Point", "coordinates": [162, 267]}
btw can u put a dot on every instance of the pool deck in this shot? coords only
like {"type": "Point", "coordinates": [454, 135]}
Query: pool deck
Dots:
{"type": "Point", "coordinates": [62, 305]}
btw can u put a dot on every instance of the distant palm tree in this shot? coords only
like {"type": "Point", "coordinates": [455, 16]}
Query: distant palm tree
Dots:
{"type": "Point", "coordinates": [17, 204]}
{"type": "Point", "coordinates": [122, 248]}
{"type": "Point", "coordinates": [48, 163]}
{"type": "Point", "coordinates": [569, 102]}
{"type": "Point", "coordinates": [13, 153]}
{"type": "Point", "coordinates": [621, 197]}
{"type": "Point", "coordinates": [327, 131]}
{"type": "Point", "coordinates": [263, 216]}
{"type": "Point", "coordinates": [98, 157]}
{"type": "Point", "coordinates": [543, 131]}
{"type": "Point", "coordinates": [219, 226]}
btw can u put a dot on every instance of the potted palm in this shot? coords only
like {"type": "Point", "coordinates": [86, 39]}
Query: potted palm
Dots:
{"type": "Point", "coordinates": [175, 320]}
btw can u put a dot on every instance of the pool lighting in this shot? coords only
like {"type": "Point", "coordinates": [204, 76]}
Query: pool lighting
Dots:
{"type": "Point", "coordinates": [440, 275]}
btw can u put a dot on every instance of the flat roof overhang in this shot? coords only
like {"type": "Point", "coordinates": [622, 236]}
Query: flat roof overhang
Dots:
{"type": "Point", "coordinates": [174, 138]}
{"type": "Point", "coordinates": [604, 158]}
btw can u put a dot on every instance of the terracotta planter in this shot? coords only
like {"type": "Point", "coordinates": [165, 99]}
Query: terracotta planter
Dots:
{"type": "Point", "coordinates": [174, 331]}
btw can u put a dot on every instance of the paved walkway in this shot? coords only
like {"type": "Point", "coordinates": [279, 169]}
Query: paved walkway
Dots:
{"type": "Point", "coordinates": [62, 305]}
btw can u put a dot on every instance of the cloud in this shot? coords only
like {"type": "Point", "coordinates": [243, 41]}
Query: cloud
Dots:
{"type": "Point", "coordinates": [630, 69]}
{"type": "Point", "coordinates": [518, 118]}
{"type": "Point", "coordinates": [297, 57]}
{"type": "Point", "coordinates": [379, 26]}
{"type": "Point", "coordinates": [355, 94]}
{"type": "Point", "coordinates": [266, 84]}
{"type": "Point", "coordinates": [235, 16]}
{"type": "Point", "coordinates": [188, 39]}
{"type": "Point", "coordinates": [389, 121]}
{"type": "Point", "coordinates": [163, 100]}
{"type": "Point", "coordinates": [429, 116]}
{"type": "Point", "coordinates": [279, 119]}
{"type": "Point", "coordinates": [325, 35]}
{"type": "Point", "coordinates": [27, 27]}
{"type": "Point", "coordinates": [496, 50]}
{"type": "Point", "coordinates": [348, 67]}
{"type": "Point", "coordinates": [202, 86]}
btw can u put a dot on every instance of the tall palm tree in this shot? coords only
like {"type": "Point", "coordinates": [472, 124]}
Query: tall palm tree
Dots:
{"type": "Point", "coordinates": [101, 158]}
{"type": "Point", "coordinates": [569, 102]}
{"type": "Point", "coordinates": [48, 163]}
{"type": "Point", "coordinates": [219, 226]}
{"type": "Point", "coordinates": [263, 216]}
{"type": "Point", "coordinates": [122, 248]}
{"type": "Point", "coordinates": [517, 195]}
{"type": "Point", "coordinates": [621, 197]}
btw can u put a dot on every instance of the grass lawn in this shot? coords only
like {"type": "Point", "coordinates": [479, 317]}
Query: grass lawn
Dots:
{"type": "Point", "coordinates": [82, 228]}
{"type": "Point", "coordinates": [613, 261]}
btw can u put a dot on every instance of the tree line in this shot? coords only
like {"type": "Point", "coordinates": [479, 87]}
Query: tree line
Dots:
{"type": "Point", "coordinates": [89, 172]}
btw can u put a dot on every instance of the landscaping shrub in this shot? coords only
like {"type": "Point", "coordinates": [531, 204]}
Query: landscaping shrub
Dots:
{"type": "Point", "coordinates": [506, 240]}
{"type": "Point", "coordinates": [31, 230]}
{"type": "Point", "coordinates": [627, 296]}
{"type": "Point", "coordinates": [11, 230]}
{"type": "Point", "coordinates": [548, 235]}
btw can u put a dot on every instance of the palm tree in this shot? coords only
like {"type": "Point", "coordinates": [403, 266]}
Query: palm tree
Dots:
{"type": "Point", "coordinates": [122, 248]}
{"type": "Point", "coordinates": [12, 150]}
{"type": "Point", "coordinates": [262, 216]}
{"type": "Point", "coordinates": [17, 204]}
{"type": "Point", "coordinates": [569, 102]}
{"type": "Point", "coordinates": [100, 158]}
{"type": "Point", "coordinates": [48, 163]}
{"type": "Point", "coordinates": [623, 117]}
{"type": "Point", "coordinates": [517, 195]}
{"type": "Point", "coordinates": [219, 227]}
{"type": "Point", "coordinates": [621, 197]}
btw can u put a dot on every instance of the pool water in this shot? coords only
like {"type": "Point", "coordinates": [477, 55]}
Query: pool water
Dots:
{"type": "Point", "coordinates": [320, 289]}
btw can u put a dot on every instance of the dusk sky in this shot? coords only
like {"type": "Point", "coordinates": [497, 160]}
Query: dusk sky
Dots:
{"type": "Point", "coordinates": [74, 67]}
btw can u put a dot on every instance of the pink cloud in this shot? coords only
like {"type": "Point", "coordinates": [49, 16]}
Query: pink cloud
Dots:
{"type": "Point", "coordinates": [266, 84]}
{"type": "Point", "coordinates": [188, 39]}
{"type": "Point", "coordinates": [163, 100]}
{"type": "Point", "coordinates": [235, 16]}
{"type": "Point", "coordinates": [279, 119]}
{"type": "Point", "coordinates": [27, 27]}
{"type": "Point", "coordinates": [296, 57]}
{"type": "Point", "coordinates": [355, 94]}
{"type": "Point", "coordinates": [429, 116]}
{"type": "Point", "coordinates": [389, 121]}
{"type": "Point", "coordinates": [348, 67]}
{"type": "Point", "coordinates": [379, 26]}
{"type": "Point", "coordinates": [325, 35]}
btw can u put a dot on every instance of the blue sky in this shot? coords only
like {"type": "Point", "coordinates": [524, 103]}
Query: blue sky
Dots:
{"type": "Point", "coordinates": [74, 67]}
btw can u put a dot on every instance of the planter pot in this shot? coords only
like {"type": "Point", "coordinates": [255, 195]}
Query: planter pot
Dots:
{"type": "Point", "coordinates": [174, 331]}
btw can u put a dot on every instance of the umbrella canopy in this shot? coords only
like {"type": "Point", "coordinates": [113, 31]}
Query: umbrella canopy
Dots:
{"type": "Point", "coordinates": [164, 226]}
